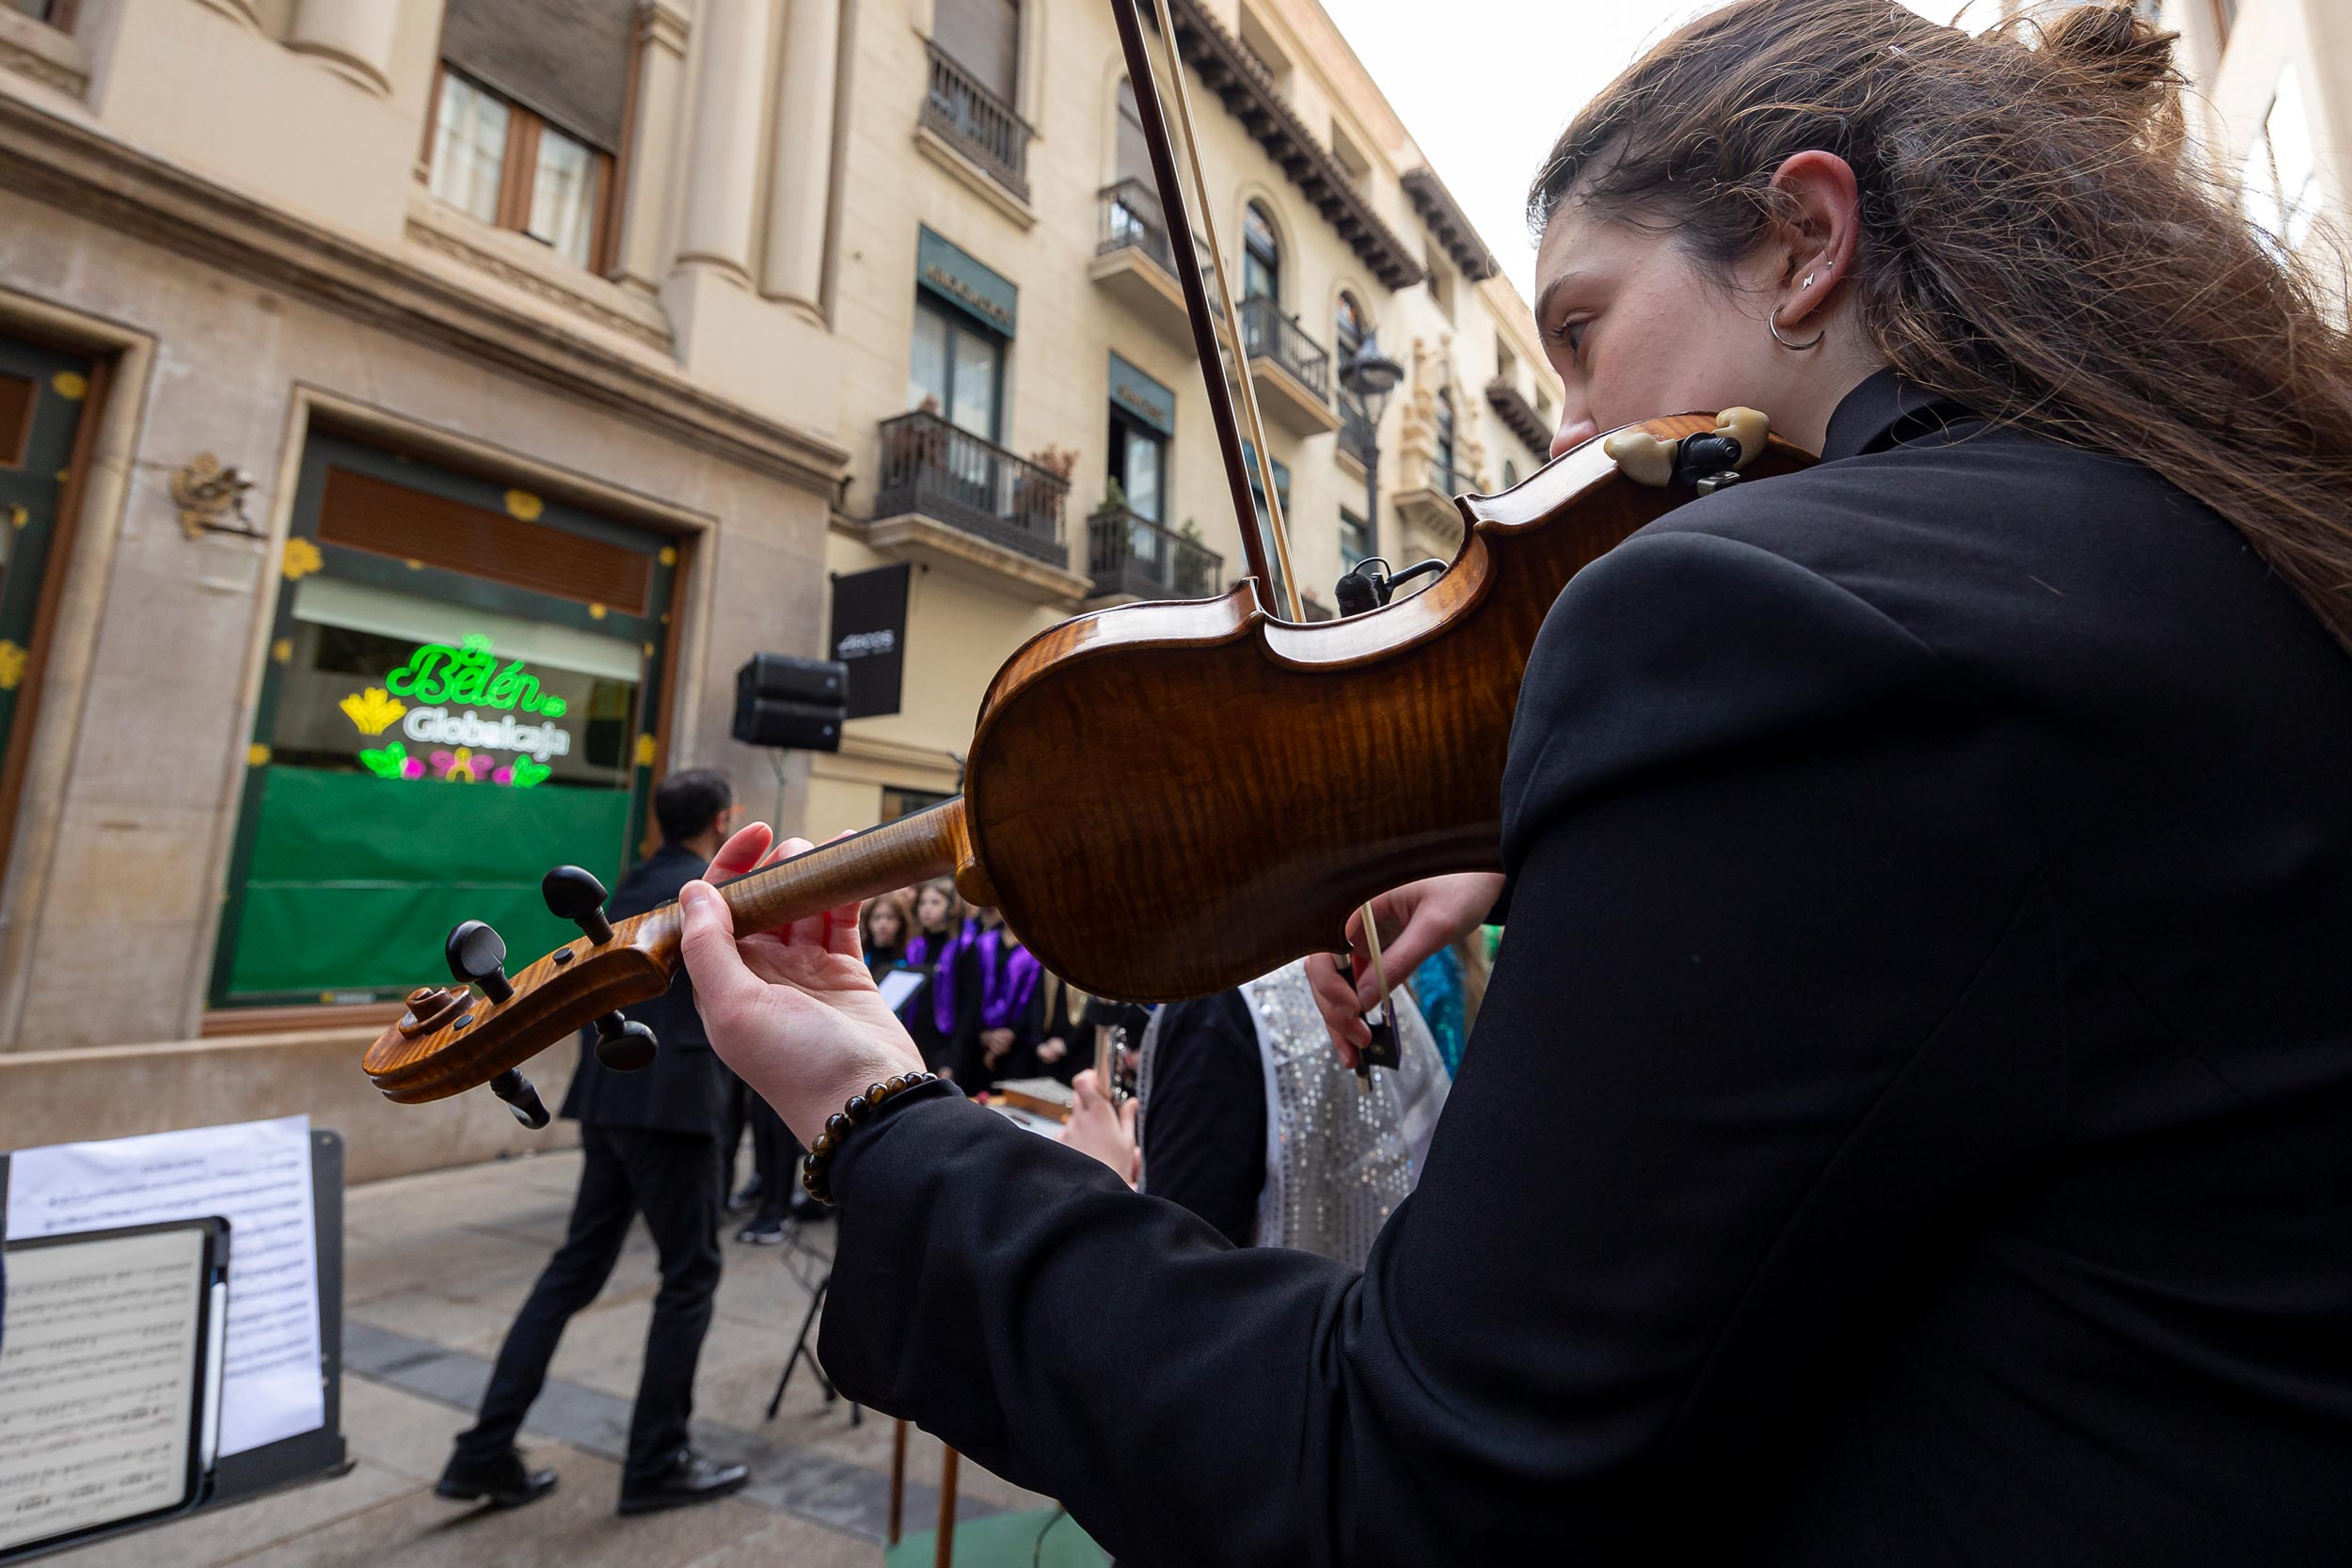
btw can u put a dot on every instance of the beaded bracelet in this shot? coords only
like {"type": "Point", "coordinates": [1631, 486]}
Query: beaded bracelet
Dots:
{"type": "Point", "coordinates": [815, 1176]}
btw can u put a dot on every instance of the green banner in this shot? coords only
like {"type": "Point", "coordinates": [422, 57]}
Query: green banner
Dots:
{"type": "Point", "coordinates": [355, 880]}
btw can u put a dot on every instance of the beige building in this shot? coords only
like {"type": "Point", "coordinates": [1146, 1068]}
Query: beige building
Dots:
{"type": "Point", "coordinates": [2273, 102]}
{"type": "Point", "coordinates": [1008, 302]}
{"type": "Point", "coordinates": [413, 412]}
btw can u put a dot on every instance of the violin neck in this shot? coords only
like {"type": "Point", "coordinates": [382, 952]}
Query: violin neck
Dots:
{"type": "Point", "coordinates": [883, 859]}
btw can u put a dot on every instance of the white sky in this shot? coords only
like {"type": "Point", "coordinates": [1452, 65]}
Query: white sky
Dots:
{"type": "Point", "coordinates": [1484, 85]}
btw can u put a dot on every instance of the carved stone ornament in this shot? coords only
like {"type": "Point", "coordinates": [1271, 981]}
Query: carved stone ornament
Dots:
{"type": "Point", "coordinates": [206, 493]}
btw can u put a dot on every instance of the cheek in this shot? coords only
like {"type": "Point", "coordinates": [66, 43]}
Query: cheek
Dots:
{"type": "Point", "coordinates": [1678, 348]}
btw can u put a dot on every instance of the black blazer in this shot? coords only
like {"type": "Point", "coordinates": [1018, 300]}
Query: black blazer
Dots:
{"type": "Point", "coordinates": [681, 1091]}
{"type": "Point", "coordinates": [1910, 1122]}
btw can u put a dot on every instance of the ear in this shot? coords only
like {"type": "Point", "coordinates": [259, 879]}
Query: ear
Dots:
{"type": "Point", "coordinates": [1820, 229]}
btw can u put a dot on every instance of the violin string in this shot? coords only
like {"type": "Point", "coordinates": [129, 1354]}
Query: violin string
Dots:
{"type": "Point", "coordinates": [1276, 525]}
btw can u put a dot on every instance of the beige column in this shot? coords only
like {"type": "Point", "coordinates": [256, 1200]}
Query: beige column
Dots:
{"type": "Point", "coordinates": [801, 178]}
{"type": "Point", "coordinates": [650, 212]}
{"type": "Point", "coordinates": [731, 39]}
{"type": "Point", "coordinates": [355, 37]}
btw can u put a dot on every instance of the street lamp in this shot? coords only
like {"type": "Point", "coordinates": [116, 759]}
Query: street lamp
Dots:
{"type": "Point", "coordinates": [1368, 376]}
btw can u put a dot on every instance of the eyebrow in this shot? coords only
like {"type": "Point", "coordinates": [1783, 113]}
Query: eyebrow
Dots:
{"type": "Point", "coordinates": [1543, 300]}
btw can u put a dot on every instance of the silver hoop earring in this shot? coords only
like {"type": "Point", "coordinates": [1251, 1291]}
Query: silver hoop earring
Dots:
{"type": "Point", "coordinates": [1772, 324]}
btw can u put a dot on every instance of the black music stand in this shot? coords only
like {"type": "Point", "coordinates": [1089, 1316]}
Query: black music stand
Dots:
{"type": "Point", "coordinates": [802, 1262]}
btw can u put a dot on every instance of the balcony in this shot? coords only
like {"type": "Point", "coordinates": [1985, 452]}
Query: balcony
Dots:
{"type": "Point", "coordinates": [1290, 370]}
{"type": "Point", "coordinates": [971, 124]}
{"type": "Point", "coordinates": [1136, 558]}
{"type": "Point", "coordinates": [947, 499]}
{"type": "Point", "coordinates": [1359, 439]}
{"type": "Point", "coordinates": [1433, 524]}
{"type": "Point", "coordinates": [1135, 261]}
{"type": "Point", "coordinates": [1511, 407]}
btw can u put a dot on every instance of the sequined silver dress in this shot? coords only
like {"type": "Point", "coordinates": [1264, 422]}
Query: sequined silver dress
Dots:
{"type": "Point", "coordinates": [1337, 1160]}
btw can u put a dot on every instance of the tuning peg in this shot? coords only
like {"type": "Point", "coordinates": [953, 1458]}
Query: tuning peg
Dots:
{"type": "Point", "coordinates": [478, 953]}
{"type": "Point", "coordinates": [520, 1098]}
{"type": "Point", "coordinates": [576, 895]}
{"type": "Point", "coordinates": [623, 1044]}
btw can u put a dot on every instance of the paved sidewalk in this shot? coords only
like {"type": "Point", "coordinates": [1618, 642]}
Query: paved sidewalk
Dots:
{"type": "Point", "coordinates": [434, 1268]}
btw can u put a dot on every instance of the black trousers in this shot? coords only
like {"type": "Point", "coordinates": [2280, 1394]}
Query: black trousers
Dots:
{"type": "Point", "coordinates": [672, 1178]}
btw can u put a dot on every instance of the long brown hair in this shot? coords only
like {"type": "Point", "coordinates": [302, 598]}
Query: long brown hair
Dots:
{"type": "Point", "coordinates": [2038, 242]}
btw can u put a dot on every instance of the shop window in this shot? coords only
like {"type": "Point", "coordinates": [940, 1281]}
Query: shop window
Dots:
{"type": "Point", "coordinates": [898, 803]}
{"type": "Point", "coordinates": [45, 402]}
{"type": "Point", "coordinates": [1139, 464]}
{"type": "Point", "coordinates": [984, 38]}
{"type": "Point", "coordinates": [512, 168]}
{"type": "Point", "coordinates": [957, 369]}
{"type": "Point", "coordinates": [1262, 255]}
{"type": "Point", "coordinates": [450, 708]}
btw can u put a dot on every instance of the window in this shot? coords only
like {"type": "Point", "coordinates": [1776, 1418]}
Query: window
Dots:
{"type": "Point", "coordinates": [957, 370]}
{"type": "Point", "coordinates": [1354, 540]}
{"type": "Point", "coordinates": [507, 166]}
{"type": "Point", "coordinates": [1441, 282]}
{"type": "Point", "coordinates": [58, 13]}
{"type": "Point", "coordinates": [1349, 328]}
{"type": "Point", "coordinates": [1257, 41]}
{"type": "Point", "coordinates": [462, 677]}
{"type": "Point", "coordinates": [1344, 152]}
{"type": "Point", "coordinates": [1445, 436]}
{"type": "Point", "coordinates": [1262, 255]}
{"type": "Point", "coordinates": [1510, 473]}
{"type": "Point", "coordinates": [2224, 18]}
{"type": "Point", "coordinates": [984, 38]}
{"type": "Point", "coordinates": [2281, 176]}
{"type": "Point", "coordinates": [1139, 464]}
{"type": "Point", "coordinates": [1134, 153]}
{"type": "Point", "coordinates": [1507, 365]}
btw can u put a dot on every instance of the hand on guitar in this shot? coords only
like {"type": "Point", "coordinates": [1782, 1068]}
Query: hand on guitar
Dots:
{"type": "Point", "coordinates": [1415, 921]}
{"type": "Point", "coordinates": [794, 1011]}
{"type": "Point", "coordinates": [1096, 1128]}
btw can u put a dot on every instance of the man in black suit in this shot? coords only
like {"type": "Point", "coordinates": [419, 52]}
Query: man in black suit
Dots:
{"type": "Point", "coordinates": [649, 1142]}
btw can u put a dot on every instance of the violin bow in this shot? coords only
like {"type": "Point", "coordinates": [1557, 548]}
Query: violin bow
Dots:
{"type": "Point", "coordinates": [1143, 77]}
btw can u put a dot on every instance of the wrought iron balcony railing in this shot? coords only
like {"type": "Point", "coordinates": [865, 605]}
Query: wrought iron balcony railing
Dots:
{"type": "Point", "coordinates": [1132, 215]}
{"type": "Point", "coordinates": [1359, 437]}
{"type": "Point", "coordinates": [977, 120]}
{"type": "Point", "coordinates": [1128, 554]}
{"type": "Point", "coordinates": [1268, 333]}
{"type": "Point", "coordinates": [931, 467]}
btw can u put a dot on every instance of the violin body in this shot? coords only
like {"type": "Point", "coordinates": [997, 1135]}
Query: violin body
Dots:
{"type": "Point", "coordinates": [1244, 783]}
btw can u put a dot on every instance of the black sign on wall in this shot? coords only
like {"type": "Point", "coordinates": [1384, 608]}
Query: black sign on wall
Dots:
{"type": "Point", "coordinates": [869, 635]}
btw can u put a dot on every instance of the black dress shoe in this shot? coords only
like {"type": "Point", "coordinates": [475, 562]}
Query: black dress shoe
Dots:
{"type": "Point", "coordinates": [505, 1480]}
{"type": "Point", "coordinates": [690, 1479]}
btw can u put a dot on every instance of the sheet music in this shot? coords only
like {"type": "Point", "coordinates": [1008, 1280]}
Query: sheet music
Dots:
{"type": "Point", "coordinates": [97, 1382]}
{"type": "Point", "coordinates": [257, 1174]}
{"type": "Point", "coordinates": [899, 984]}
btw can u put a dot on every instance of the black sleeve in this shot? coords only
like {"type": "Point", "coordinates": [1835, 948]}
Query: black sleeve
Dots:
{"type": "Point", "coordinates": [1778, 995]}
{"type": "Point", "coordinates": [1204, 1126]}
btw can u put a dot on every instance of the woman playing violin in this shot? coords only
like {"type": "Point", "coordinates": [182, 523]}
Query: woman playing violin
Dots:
{"type": "Point", "coordinates": [1911, 1119]}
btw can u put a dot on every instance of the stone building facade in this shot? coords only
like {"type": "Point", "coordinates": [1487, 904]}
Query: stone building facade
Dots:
{"type": "Point", "coordinates": [413, 412]}
{"type": "Point", "coordinates": [2273, 104]}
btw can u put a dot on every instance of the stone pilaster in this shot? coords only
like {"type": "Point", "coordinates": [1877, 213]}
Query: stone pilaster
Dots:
{"type": "Point", "coordinates": [356, 36]}
{"type": "Point", "coordinates": [722, 159]}
{"type": "Point", "coordinates": [801, 174]}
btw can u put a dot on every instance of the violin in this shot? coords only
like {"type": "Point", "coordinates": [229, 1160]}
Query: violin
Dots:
{"type": "Point", "coordinates": [1271, 775]}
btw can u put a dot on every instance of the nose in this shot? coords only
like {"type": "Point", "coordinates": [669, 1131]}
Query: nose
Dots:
{"type": "Point", "coordinates": [1575, 430]}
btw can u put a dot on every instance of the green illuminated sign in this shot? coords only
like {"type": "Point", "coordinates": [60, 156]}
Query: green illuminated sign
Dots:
{"type": "Point", "coordinates": [470, 673]}
{"type": "Point", "coordinates": [436, 676]}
